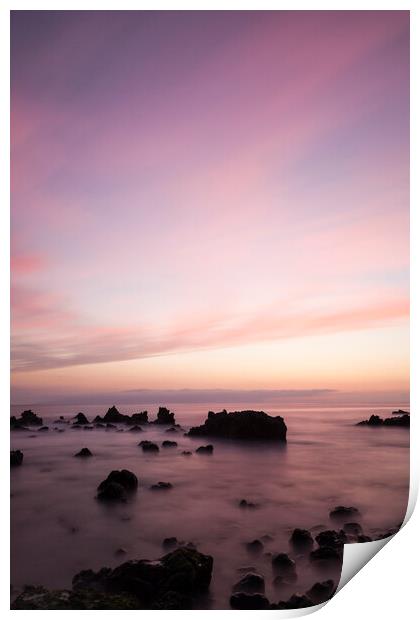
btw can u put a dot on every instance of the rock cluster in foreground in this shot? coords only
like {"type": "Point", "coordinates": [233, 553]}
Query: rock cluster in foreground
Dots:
{"type": "Point", "coordinates": [241, 425]}
{"type": "Point", "coordinates": [27, 418]}
{"type": "Point", "coordinates": [169, 583]}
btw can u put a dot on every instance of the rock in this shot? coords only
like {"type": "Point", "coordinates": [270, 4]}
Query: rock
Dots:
{"type": "Point", "coordinates": [375, 420]}
{"type": "Point", "coordinates": [16, 458]}
{"type": "Point", "coordinates": [255, 546]}
{"type": "Point", "coordinates": [81, 419]}
{"type": "Point", "coordinates": [205, 449]}
{"type": "Point", "coordinates": [185, 572]}
{"type": "Point", "coordinates": [243, 600]}
{"type": "Point", "coordinates": [149, 446]}
{"type": "Point", "coordinates": [296, 601]}
{"type": "Point", "coordinates": [251, 583]}
{"type": "Point", "coordinates": [343, 512]}
{"type": "Point", "coordinates": [169, 444]}
{"type": "Point", "coordinates": [84, 452]}
{"type": "Point", "coordinates": [99, 425]}
{"type": "Point", "coordinates": [331, 538]}
{"type": "Point", "coordinates": [241, 425]}
{"type": "Point", "coordinates": [164, 416]}
{"type": "Point", "coordinates": [136, 429]}
{"type": "Point", "coordinates": [284, 565]}
{"type": "Point", "coordinates": [326, 556]}
{"type": "Point", "coordinates": [113, 416]}
{"type": "Point", "coordinates": [186, 453]}
{"type": "Point", "coordinates": [321, 591]}
{"type": "Point", "coordinates": [37, 597]}
{"type": "Point", "coordinates": [161, 486]}
{"type": "Point", "coordinates": [139, 418]}
{"type": "Point", "coordinates": [170, 543]}
{"type": "Point", "coordinates": [117, 486]}
{"type": "Point", "coordinates": [301, 539]}
{"type": "Point", "coordinates": [245, 504]}
{"type": "Point", "coordinates": [400, 412]}
{"type": "Point", "coordinates": [354, 529]}
{"type": "Point", "coordinates": [43, 429]}
{"type": "Point", "coordinates": [27, 418]}
{"type": "Point", "coordinates": [60, 420]}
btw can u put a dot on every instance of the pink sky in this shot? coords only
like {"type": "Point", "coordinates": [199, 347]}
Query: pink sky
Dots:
{"type": "Point", "coordinates": [209, 200]}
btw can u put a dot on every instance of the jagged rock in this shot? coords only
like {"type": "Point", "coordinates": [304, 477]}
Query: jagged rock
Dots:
{"type": "Point", "coordinates": [148, 446]}
{"type": "Point", "coordinates": [331, 538]}
{"type": "Point", "coordinates": [321, 591]}
{"type": "Point", "coordinates": [136, 429]}
{"type": "Point", "coordinates": [84, 452]}
{"type": "Point", "coordinates": [139, 418]}
{"type": "Point", "coordinates": [354, 529]}
{"type": "Point", "coordinates": [241, 425]}
{"type": "Point", "coordinates": [16, 458]}
{"type": "Point", "coordinates": [326, 556]}
{"type": "Point", "coordinates": [205, 449]}
{"type": "Point", "coordinates": [117, 486]}
{"type": "Point", "coordinates": [164, 416]}
{"type": "Point", "coordinates": [284, 565]}
{"type": "Point", "coordinates": [27, 418]}
{"type": "Point", "coordinates": [343, 512]}
{"type": "Point", "coordinates": [242, 600]}
{"type": "Point", "coordinates": [375, 420]}
{"type": "Point", "coordinates": [169, 444]}
{"type": "Point", "coordinates": [184, 572]}
{"type": "Point", "coordinates": [81, 419]}
{"type": "Point", "coordinates": [255, 546]}
{"type": "Point", "coordinates": [296, 601]}
{"type": "Point", "coordinates": [251, 583]}
{"type": "Point", "coordinates": [161, 486]}
{"type": "Point", "coordinates": [245, 504]}
{"type": "Point", "coordinates": [301, 539]}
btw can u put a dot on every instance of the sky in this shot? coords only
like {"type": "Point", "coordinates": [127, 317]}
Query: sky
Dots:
{"type": "Point", "coordinates": [209, 201]}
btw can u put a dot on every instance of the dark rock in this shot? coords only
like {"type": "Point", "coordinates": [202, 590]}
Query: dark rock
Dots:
{"type": "Point", "coordinates": [400, 412]}
{"type": "Point", "coordinates": [43, 429]}
{"type": "Point", "coordinates": [205, 449]}
{"type": "Point", "coordinates": [245, 504]}
{"type": "Point", "coordinates": [242, 600]}
{"type": "Point", "coordinates": [326, 556]}
{"type": "Point", "coordinates": [164, 416]}
{"type": "Point", "coordinates": [170, 543]}
{"type": "Point", "coordinates": [113, 416]}
{"type": "Point", "coordinates": [169, 444]}
{"type": "Point", "coordinates": [16, 458]}
{"type": "Point", "coordinates": [37, 597]}
{"type": "Point", "coordinates": [136, 429]}
{"type": "Point", "coordinates": [296, 601]}
{"type": "Point", "coordinates": [375, 420]}
{"type": "Point", "coordinates": [84, 452]}
{"type": "Point", "coordinates": [27, 418]}
{"type": "Point", "coordinates": [109, 425]}
{"type": "Point", "coordinates": [283, 565]}
{"type": "Point", "coordinates": [139, 418]}
{"type": "Point", "coordinates": [301, 539]}
{"type": "Point", "coordinates": [331, 538]}
{"type": "Point", "coordinates": [363, 538]}
{"type": "Point", "coordinates": [81, 419]}
{"type": "Point", "coordinates": [149, 446]}
{"type": "Point", "coordinates": [321, 591]}
{"type": "Point", "coordinates": [117, 486]}
{"type": "Point", "coordinates": [354, 529]}
{"type": "Point", "coordinates": [60, 420]}
{"type": "Point", "coordinates": [251, 583]}
{"type": "Point", "coordinates": [161, 486]}
{"type": "Point", "coordinates": [186, 453]}
{"type": "Point", "coordinates": [343, 512]}
{"type": "Point", "coordinates": [255, 546]}
{"type": "Point", "coordinates": [241, 425]}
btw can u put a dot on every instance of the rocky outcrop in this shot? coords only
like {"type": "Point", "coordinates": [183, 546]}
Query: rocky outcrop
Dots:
{"type": "Point", "coordinates": [149, 446]}
{"type": "Point", "coordinates": [169, 444]}
{"type": "Point", "coordinates": [400, 412]}
{"type": "Point", "coordinates": [83, 453]}
{"type": "Point", "coordinates": [301, 539]}
{"type": "Point", "coordinates": [375, 420]}
{"type": "Point", "coordinates": [27, 418]}
{"type": "Point", "coordinates": [251, 583]}
{"type": "Point", "coordinates": [117, 486]}
{"type": "Point", "coordinates": [80, 418]}
{"type": "Point", "coordinates": [16, 458]}
{"type": "Point", "coordinates": [246, 425]}
{"type": "Point", "coordinates": [113, 416]}
{"type": "Point", "coordinates": [164, 416]}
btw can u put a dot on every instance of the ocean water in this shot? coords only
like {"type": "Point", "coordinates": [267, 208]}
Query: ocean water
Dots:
{"type": "Point", "coordinates": [58, 527]}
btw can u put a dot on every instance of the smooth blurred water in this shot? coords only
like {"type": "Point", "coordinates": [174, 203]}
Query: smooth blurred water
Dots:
{"type": "Point", "coordinates": [59, 528]}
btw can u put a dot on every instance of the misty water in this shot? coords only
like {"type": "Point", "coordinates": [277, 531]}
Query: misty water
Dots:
{"type": "Point", "coordinates": [58, 527]}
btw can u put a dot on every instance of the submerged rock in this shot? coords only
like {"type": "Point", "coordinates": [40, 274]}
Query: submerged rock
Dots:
{"type": "Point", "coordinates": [136, 429]}
{"type": "Point", "coordinates": [354, 529]}
{"type": "Point", "coordinates": [343, 512]}
{"type": "Point", "coordinates": [296, 601]}
{"type": "Point", "coordinates": [243, 600]}
{"type": "Point", "coordinates": [186, 453]}
{"type": "Point", "coordinates": [84, 452]}
{"type": "Point", "coordinates": [161, 486]}
{"type": "Point", "coordinates": [331, 538]}
{"type": "Point", "coordinates": [255, 546]}
{"type": "Point", "coordinates": [117, 486]}
{"type": "Point", "coordinates": [321, 591]}
{"type": "Point", "coordinates": [149, 446]}
{"type": "Point", "coordinates": [241, 425]}
{"type": "Point", "coordinates": [205, 449]}
{"type": "Point", "coordinates": [375, 420]}
{"type": "Point", "coordinates": [16, 458]}
{"type": "Point", "coordinates": [164, 416]}
{"type": "Point", "coordinates": [246, 504]}
{"type": "Point", "coordinates": [251, 583]}
{"type": "Point", "coordinates": [301, 539]}
{"type": "Point", "coordinates": [169, 444]}
{"type": "Point", "coordinates": [326, 556]}
{"type": "Point", "coordinates": [170, 543]}
{"type": "Point", "coordinates": [284, 565]}
{"type": "Point", "coordinates": [400, 412]}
